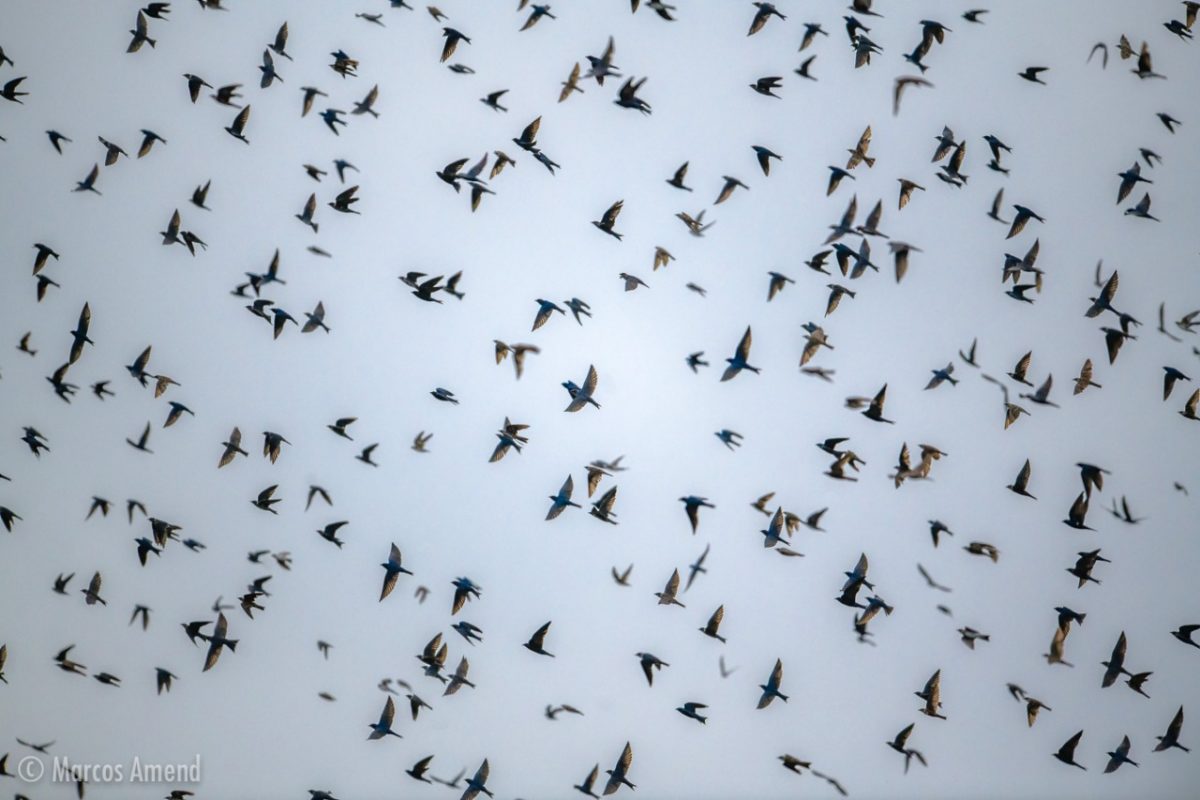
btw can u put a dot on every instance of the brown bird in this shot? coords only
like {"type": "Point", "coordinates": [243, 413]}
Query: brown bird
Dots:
{"type": "Point", "coordinates": [1191, 409]}
{"type": "Point", "coordinates": [714, 622]}
{"type": "Point", "coordinates": [932, 695]}
{"type": "Point", "coordinates": [727, 189]}
{"type": "Point", "coordinates": [571, 84]}
{"type": "Point", "coordinates": [1057, 647]}
{"type": "Point", "coordinates": [667, 596]}
{"type": "Point", "coordinates": [232, 448]}
{"type": "Point", "coordinates": [983, 549]}
{"type": "Point", "coordinates": [906, 190]}
{"type": "Point", "coordinates": [1012, 412]}
{"type": "Point", "coordinates": [903, 83]}
{"type": "Point", "coordinates": [1084, 380]}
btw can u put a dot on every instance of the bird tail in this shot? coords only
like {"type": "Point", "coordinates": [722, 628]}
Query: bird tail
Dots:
{"type": "Point", "coordinates": [232, 644]}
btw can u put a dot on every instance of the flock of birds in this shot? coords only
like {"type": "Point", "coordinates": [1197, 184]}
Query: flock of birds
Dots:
{"type": "Point", "coordinates": [1022, 280]}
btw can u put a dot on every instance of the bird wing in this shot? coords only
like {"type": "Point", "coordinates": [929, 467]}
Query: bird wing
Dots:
{"type": "Point", "coordinates": [453, 167]}
{"type": "Point", "coordinates": [539, 637]}
{"type": "Point", "coordinates": [1068, 749]}
{"type": "Point", "coordinates": [743, 348]}
{"type": "Point", "coordinates": [1023, 476]}
{"type": "Point", "coordinates": [570, 83]}
{"type": "Point", "coordinates": [877, 403]}
{"type": "Point", "coordinates": [1023, 365]}
{"type": "Point", "coordinates": [1043, 391]}
{"type": "Point", "coordinates": [1176, 725]}
{"type": "Point", "coordinates": [239, 122]}
{"type": "Point", "coordinates": [607, 500]}
{"type": "Point", "coordinates": [609, 52]}
{"type": "Point", "coordinates": [1085, 376]}
{"type": "Point", "coordinates": [777, 521]}
{"type": "Point", "coordinates": [625, 761]}
{"type": "Point", "coordinates": [389, 713]}
{"type": "Point", "coordinates": [529, 135]}
{"type": "Point", "coordinates": [1110, 289]}
{"type": "Point", "coordinates": [594, 476]}
{"type": "Point", "coordinates": [589, 384]}
{"type": "Point", "coordinates": [933, 687]}
{"type": "Point", "coordinates": [610, 216]}
{"type": "Point", "coordinates": [715, 620]}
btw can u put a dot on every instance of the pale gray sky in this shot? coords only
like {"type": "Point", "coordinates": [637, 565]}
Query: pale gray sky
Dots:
{"type": "Point", "coordinates": [255, 719]}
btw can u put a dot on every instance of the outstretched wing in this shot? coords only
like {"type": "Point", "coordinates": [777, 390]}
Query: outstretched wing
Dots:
{"type": "Point", "coordinates": [589, 384]}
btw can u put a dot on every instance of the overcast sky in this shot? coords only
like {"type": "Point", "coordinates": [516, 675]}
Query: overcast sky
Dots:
{"type": "Point", "coordinates": [255, 719]}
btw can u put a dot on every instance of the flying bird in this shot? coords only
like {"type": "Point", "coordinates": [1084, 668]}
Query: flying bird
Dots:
{"type": "Point", "coordinates": [740, 359]}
